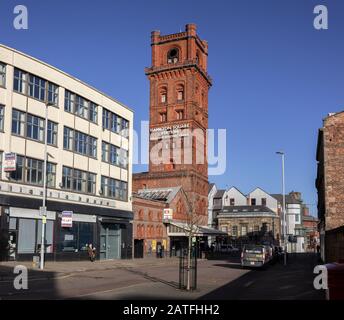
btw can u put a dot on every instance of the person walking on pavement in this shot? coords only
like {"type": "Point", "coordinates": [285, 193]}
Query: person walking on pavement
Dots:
{"type": "Point", "coordinates": [91, 252]}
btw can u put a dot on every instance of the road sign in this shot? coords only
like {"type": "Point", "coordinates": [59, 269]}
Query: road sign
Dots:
{"type": "Point", "coordinates": [44, 219]}
{"type": "Point", "coordinates": [43, 211]}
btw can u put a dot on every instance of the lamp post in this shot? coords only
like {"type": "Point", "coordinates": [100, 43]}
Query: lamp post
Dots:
{"type": "Point", "coordinates": [284, 225]}
{"type": "Point", "coordinates": [44, 208]}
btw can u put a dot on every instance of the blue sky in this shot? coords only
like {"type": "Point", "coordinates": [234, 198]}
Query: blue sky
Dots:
{"type": "Point", "coordinates": [275, 76]}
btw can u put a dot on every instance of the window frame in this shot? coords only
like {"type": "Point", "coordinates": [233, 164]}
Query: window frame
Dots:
{"type": "Point", "coordinates": [3, 69]}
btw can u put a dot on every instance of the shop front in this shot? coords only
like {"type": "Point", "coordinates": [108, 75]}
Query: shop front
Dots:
{"type": "Point", "coordinates": [109, 231]}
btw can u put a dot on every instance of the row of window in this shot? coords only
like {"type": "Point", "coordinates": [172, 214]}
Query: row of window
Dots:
{"type": "Point", "coordinates": [163, 94]}
{"type": "Point", "coordinates": [79, 142]}
{"type": "Point", "coordinates": [80, 106]}
{"type": "Point", "coordinates": [30, 171]}
{"type": "Point", "coordinates": [78, 180]}
{"type": "Point", "coordinates": [33, 127]}
{"type": "Point", "coordinates": [114, 155]}
{"type": "Point", "coordinates": [35, 87]}
{"type": "Point", "coordinates": [43, 90]}
{"type": "Point", "coordinates": [244, 230]}
{"type": "Point", "coordinates": [115, 123]}
{"type": "Point", "coordinates": [179, 114]}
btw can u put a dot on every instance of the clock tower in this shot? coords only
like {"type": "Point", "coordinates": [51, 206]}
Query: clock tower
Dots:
{"type": "Point", "coordinates": [178, 113]}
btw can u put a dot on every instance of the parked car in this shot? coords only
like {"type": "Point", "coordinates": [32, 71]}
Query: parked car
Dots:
{"type": "Point", "coordinates": [255, 256]}
{"type": "Point", "coordinates": [227, 248]}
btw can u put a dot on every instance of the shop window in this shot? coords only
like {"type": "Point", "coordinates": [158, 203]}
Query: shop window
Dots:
{"type": "Point", "coordinates": [49, 229]}
{"type": "Point", "coordinates": [27, 236]}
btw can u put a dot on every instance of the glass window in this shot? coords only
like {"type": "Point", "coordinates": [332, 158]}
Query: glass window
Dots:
{"type": "Point", "coordinates": [67, 178]}
{"type": "Point", "coordinates": [2, 74]}
{"type": "Point", "coordinates": [91, 183]}
{"type": "Point", "coordinates": [52, 133]}
{"type": "Point", "coordinates": [78, 180]}
{"type": "Point", "coordinates": [34, 171]}
{"type": "Point", "coordinates": [92, 146]}
{"type": "Point", "coordinates": [115, 123]}
{"type": "Point", "coordinates": [93, 112]}
{"type": "Point", "coordinates": [18, 122]}
{"type": "Point", "coordinates": [105, 151]}
{"type": "Point", "coordinates": [68, 105]}
{"type": "Point", "coordinates": [80, 142]}
{"type": "Point", "coordinates": [68, 241]}
{"type": "Point", "coordinates": [49, 235]}
{"type": "Point", "coordinates": [18, 175]}
{"type": "Point", "coordinates": [81, 106]}
{"type": "Point", "coordinates": [114, 188]}
{"type": "Point", "coordinates": [2, 114]}
{"type": "Point", "coordinates": [264, 202]}
{"type": "Point", "coordinates": [37, 87]}
{"type": "Point", "coordinates": [68, 138]}
{"type": "Point", "coordinates": [27, 236]}
{"type": "Point", "coordinates": [51, 175]}
{"type": "Point", "coordinates": [85, 235]}
{"type": "Point", "coordinates": [53, 93]}
{"type": "Point", "coordinates": [20, 81]}
{"type": "Point", "coordinates": [235, 231]}
{"type": "Point", "coordinates": [35, 128]}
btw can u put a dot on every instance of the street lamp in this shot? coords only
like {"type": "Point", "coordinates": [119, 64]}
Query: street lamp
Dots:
{"type": "Point", "coordinates": [284, 225]}
{"type": "Point", "coordinates": [44, 208]}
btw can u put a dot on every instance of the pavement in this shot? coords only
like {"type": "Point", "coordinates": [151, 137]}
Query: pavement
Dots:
{"type": "Point", "coordinates": [152, 279]}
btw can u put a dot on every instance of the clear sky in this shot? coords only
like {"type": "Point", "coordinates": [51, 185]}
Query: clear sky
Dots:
{"type": "Point", "coordinates": [275, 76]}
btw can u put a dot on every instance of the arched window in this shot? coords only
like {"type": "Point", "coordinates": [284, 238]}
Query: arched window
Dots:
{"type": "Point", "coordinates": [180, 93]}
{"type": "Point", "coordinates": [173, 56]}
{"type": "Point", "coordinates": [163, 95]}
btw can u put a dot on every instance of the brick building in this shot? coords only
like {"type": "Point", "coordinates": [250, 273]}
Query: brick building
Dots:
{"type": "Point", "coordinates": [178, 115]}
{"type": "Point", "coordinates": [330, 186]}
{"type": "Point", "coordinates": [179, 86]}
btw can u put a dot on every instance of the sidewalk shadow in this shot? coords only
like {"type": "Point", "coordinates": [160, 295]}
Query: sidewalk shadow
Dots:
{"type": "Point", "coordinates": [41, 285]}
{"type": "Point", "coordinates": [278, 282]}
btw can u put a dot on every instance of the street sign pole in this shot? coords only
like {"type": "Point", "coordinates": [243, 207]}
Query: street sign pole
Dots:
{"type": "Point", "coordinates": [44, 211]}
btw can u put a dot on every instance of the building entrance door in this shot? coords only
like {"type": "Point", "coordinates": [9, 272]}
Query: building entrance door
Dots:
{"type": "Point", "coordinates": [110, 241]}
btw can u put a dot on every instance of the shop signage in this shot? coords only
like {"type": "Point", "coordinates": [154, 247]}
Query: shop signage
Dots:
{"type": "Point", "coordinates": [168, 214]}
{"type": "Point", "coordinates": [67, 219]}
{"type": "Point", "coordinates": [176, 131]}
{"type": "Point", "coordinates": [10, 161]}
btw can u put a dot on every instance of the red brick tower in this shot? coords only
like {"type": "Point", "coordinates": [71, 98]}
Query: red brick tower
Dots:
{"type": "Point", "coordinates": [179, 86]}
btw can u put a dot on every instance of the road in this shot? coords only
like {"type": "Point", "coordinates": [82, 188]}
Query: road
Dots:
{"type": "Point", "coordinates": [217, 279]}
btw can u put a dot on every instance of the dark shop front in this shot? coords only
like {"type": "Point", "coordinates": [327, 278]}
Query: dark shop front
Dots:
{"type": "Point", "coordinates": [108, 230]}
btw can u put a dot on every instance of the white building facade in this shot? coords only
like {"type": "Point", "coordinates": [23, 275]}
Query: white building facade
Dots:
{"type": "Point", "coordinates": [89, 136]}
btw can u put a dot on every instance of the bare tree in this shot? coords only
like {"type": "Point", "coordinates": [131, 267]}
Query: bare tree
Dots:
{"type": "Point", "coordinates": [193, 220]}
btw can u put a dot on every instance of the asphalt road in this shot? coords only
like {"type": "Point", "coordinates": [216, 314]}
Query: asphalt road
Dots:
{"type": "Point", "coordinates": [217, 279]}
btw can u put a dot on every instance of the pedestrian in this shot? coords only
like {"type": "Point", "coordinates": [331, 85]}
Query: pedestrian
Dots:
{"type": "Point", "coordinates": [162, 251]}
{"type": "Point", "coordinates": [158, 250]}
{"type": "Point", "coordinates": [91, 252]}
